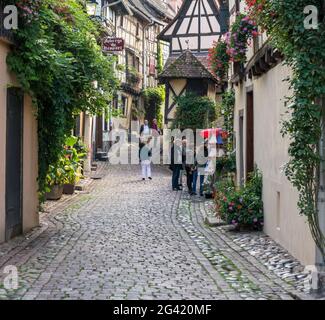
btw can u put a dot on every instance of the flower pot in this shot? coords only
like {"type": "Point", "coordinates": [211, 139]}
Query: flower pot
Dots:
{"type": "Point", "coordinates": [208, 195]}
{"type": "Point", "coordinates": [246, 227]}
{"type": "Point", "coordinates": [69, 188]}
{"type": "Point", "coordinates": [55, 193]}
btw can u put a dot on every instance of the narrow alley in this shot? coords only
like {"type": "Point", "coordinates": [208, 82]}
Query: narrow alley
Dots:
{"type": "Point", "coordinates": [131, 239]}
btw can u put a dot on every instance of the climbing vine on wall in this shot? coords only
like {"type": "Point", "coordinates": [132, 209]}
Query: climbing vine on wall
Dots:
{"type": "Point", "coordinates": [153, 100]}
{"type": "Point", "coordinates": [227, 109]}
{"type": "Point", "coordinates": [160, 58]}
{"type": "Point", "coordinates": [57, 59]}
{"type": "Point", "coordinates": [304, 51]}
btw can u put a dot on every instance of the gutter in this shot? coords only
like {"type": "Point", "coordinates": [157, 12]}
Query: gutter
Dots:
{"type": "Point", "coordinates": [144, 53]}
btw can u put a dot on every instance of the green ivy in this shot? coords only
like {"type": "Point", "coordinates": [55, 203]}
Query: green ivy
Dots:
{"type": "Point", "coordinates": [194, 112]}
{"type": "Point", "coordinates": [304, 52]}
{"type": "Point", "coordinates": [160, 60]}
{"type": "Point", "coordinates": [57, 59]}
{"type": "Point", "coordinates": [227, 109]}
{"type": "Point", "coordinates": [153, 100]}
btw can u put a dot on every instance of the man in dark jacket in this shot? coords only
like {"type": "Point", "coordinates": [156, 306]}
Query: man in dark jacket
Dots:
{"type": "Point", "coordinates": [176, 163]}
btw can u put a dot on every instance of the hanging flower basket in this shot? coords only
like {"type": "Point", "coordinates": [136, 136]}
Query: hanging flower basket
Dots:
{"type": "Point", "coordinates": [219, 60]}
{"type": "Point", "coordinates": [242, 31]}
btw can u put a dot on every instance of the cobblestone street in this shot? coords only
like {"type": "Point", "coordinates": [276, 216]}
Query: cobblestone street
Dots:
{"type": "Point", "coordinates": [133, 239]}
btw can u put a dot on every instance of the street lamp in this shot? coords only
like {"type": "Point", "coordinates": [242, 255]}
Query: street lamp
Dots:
{"type": "Point", "coordinates": [92, 7]}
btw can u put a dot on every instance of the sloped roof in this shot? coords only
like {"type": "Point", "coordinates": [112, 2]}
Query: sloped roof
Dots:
{"type": "Point", "coordinates": [187, 65]}
{"type": "Point", "coordinates": [150, 9]}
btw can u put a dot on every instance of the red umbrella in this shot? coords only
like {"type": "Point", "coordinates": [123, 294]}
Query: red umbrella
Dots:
{"type": "Point", "coordinates": [207, 133]}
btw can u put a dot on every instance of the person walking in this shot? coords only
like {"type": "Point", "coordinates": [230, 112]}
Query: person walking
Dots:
{"type": "Point", "coordinates": [145, 158]}
{"type": "Point", "coordinates": [155, 132]}
{"type": "Point", "coordinates": [183, 167]}
{"type": "Point", "coordinates": [199, 169]}
{"type": "Point", "coordinates": [144, 133]}
{"type": "Point", "coordinates": [155, 127]}
{"type": "Point", "coordinates": [145, 129]}
{"type": "Point", "coordinates": [176, 164]}
{"type": "Point", "coordinates": [189, 168]}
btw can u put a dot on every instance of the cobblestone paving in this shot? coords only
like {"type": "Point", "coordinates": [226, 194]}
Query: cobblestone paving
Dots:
{"type": "Point", "coordinates": [129, 239]}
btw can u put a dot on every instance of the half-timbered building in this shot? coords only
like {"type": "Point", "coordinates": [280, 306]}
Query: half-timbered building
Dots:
{"type": "Point", "coordinates": [137, 22]}
{"type": "Point", "coordinates": [192, 32]}
{"type": "Point", "coordinates": [139, 57]}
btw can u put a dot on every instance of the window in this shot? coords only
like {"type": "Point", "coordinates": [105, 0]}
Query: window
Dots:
{"type": "Point", "coordinates": [197, 86]}
{"type": "Point", "coordinates": [256, 43]}
{"type": "Point", "coordinates": [109, 14]}
{"type": "Point", "coordinates": [237, 4]}
{"type": "Point", "coordinates": [138, 29]}
{"type": "Point", "coordinates": [137, 63]}
{"type": "Point", "coordinates": [132, 60]}
{"type": "Point", "coordinates": [123, 105]}
{"type": "Point", "coordinates": [122, 21]}
{"type": "Point", "coordinates": [152, 66]}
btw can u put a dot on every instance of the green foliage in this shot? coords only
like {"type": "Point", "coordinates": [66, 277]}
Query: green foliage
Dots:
{"type": "Point", "coordinates": [194, 112]}
{"type": "Point", "coordinates": [241, 207]}
{"type": "Point", "coordinates": [153, 100]}
{"type": "Point", "coordinates": [117, 113]}
{"type": "Point", "coordinates": [57, 59]}
{"type": "Point", "coordinates": [68, 167]}
{"type": "Point", "coordinates": [133, 76]}
{"type": "Point", "coordinates": [160, 62]}
{"type": "Point", "coordinates": [304, 52]}
{"type": "Point", "coordinates": [226, 164]}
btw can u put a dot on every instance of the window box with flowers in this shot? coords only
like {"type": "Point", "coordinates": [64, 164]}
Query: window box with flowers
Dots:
{"type": "Point", "coordinates": [133, 77]}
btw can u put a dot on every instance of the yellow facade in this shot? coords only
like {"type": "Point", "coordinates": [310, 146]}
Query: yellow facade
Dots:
{"type": "Point", "coordinates": [29, 152]}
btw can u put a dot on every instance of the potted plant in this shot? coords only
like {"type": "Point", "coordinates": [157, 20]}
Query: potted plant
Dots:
{"type": "Point", "coordinates": [73, 161]}
{"type": "Point", "coordinates": [55, 178]}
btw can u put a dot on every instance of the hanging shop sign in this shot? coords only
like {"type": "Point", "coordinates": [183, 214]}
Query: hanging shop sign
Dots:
{"type": "Point", "coordinates": [113, 44]}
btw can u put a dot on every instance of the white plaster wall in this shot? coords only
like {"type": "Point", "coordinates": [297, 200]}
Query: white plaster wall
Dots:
{"type": "Point", "coordinates": [282, 220]}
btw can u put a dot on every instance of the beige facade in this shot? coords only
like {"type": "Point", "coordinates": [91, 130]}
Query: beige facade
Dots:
{"type": "Point", "coordinates": [29, 159]}
{"type": "Point", "coordinates": [259, 111]}
{"type": "Point", "coordinates": [282, 220]}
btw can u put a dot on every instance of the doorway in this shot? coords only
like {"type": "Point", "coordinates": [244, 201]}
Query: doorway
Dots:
{"type": "Point", "coordinates": [14, 154]}
{"type": "Point", "coordinates": [241, 147]}
{"type": "Point", "coordinates": [250, 163]}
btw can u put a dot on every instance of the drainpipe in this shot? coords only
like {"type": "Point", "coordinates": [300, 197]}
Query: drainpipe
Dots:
{"type": "Point", "coordinates": [321, 198]}
{"type": "Point", "coordinates": [144, 54]}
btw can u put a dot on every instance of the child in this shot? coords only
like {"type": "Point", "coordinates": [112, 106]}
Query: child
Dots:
{"type": "Point", "coordinates": [145, 158]}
